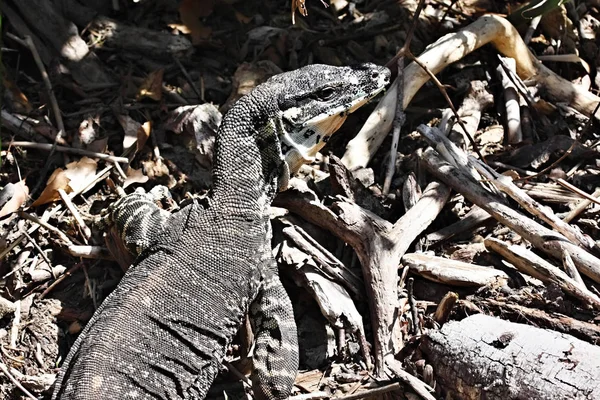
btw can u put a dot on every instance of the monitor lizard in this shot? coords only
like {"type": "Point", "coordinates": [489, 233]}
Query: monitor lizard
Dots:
{"type": "Point", "coordinates": [163, 332]}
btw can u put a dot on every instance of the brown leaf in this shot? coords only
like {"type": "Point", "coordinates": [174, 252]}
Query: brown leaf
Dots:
{"type": "Point", "coordinates": [242, 18]}
{"type": "Point", "coordinates": [13, 94]}
{"type": "Point", "coordinates": [130, 127]}
{"type": "Point", "coordinates": [301, 7]}
{"type": "Point", "coordinates": [143, 133]}
{"type": "Point", "coordinates": [19, 196]}
{"type": "Point", "coordinates": [74, 178]}
{"type": "Point", "coordinates": [191, 12]}
{"type": "Point", "coordinates": [196, 8]}
{"type": "Point", "coordinates": [78, 173]}
{"type": "Point", "coordinates": [58, 180]}
{"type": "Point", "coordinates": [152, 86]}
{"type": "Point", "coordinates": [98, 145]}
{"type": "Point", "coordinates": [135, 176]}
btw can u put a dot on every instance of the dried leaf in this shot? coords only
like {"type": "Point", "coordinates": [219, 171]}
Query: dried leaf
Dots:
{"type": "Point", "coordinates": [20, 191]}
{"type": "Point", "coordinates": [74, 178]}
{"type": "Point", "coordinates": [13, 94]}
{"type": "Point", "coordinates": [246, 77]}
{"type": "Point", "coordinates": [98, 145]}
{"type": "Point", "coordinates": [196, 8]}
{"type": "Point", "coordinates": [200, 122]}
{"type": "Point", "coordinates": [152, 86]}
{"type": "Point", "coordinates": [135, 176]}
{"type": "Point", "coordinates": [78, 173]}
{"type": "Point", "coordinates": [493, 134]}
{"type": "Point", "coordinates": [181, 28]}
{"type": "Point", "coordinates": [301, 7]}
{"type": "Point", "coordinates": [130, 127]}
{"type": "Point", "coordinates": [58, 180]}
{"type": "Point", "coordinates": [143, 133]}
{"type": "Point", "coordinates": [242, 18]}
{"type": "Point", "coordinates": [191, 12]}
{"type": "Point", "coordinates": [86, 133]}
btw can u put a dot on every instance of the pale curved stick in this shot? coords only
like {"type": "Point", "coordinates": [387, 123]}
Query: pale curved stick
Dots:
{"type": "Point", "coordinates": [451, 48]}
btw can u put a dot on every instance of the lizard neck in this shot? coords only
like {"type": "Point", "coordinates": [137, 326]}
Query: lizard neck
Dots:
{"type": "Point", "coordinates": [247, 160]}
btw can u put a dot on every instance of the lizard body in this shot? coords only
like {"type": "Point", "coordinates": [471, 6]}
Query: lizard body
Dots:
{"type": "Point", "coordinates": [164, 330]}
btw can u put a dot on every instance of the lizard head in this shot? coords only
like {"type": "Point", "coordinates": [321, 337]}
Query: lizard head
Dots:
{"type": "Point", "coordinates": [317, 104]}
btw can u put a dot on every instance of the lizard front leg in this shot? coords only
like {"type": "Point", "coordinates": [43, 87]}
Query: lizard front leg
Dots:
{"type": "Point", "coordinates": [276, 339]}
{"type": "Point", "coordinates": [137, 219]}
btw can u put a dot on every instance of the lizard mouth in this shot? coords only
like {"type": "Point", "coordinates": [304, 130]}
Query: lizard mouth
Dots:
{"type": "Point", "coordinates": [316, 132]}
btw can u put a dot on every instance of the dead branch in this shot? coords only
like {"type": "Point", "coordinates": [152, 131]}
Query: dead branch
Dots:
{"type": "Point", "coordinates": [452, 272]}
{"type": "Point", "coordinates": [449, 49]}
{"type": "Point", "coordinates": [557, 322]}
{"type": "Point", "coordinates": [545, 239]}
{"type": "Point", "coordinates": [486, 357]}
{"type": "Point", "coordinates": [531, 264]}
{"type": "Point", "coordinates": [506, 185]}
{"type": "Point", "coordinates": [71, 150]}
{"type": "Point", "coordinates": [379, 246]}
{"type": "Point", "coordinates": [63, 40]}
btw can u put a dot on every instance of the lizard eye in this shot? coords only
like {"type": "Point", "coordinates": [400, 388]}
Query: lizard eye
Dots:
{"type": "Point", "coordinates": [325, 94]}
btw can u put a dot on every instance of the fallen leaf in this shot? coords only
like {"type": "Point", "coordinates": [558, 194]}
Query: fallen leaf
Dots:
{"type": "Point", "coordinates": [191, 12]}
{"type": "Point", "coordinates": [143, 133]}
{"type": "Point", "coordinates": [246, 77]}
{"type": "Point", "coordinates": [181, 28]}
{"type": "Point", "coordinates": [74, 178]}
{"type": "Point", "coordinates": [58, 180]}
{"type": "Point", "coordinates": [493, 134]}
{"type": "Point", "coordinates": [301, 7]}
{"type": "Point", "coordinates": [242, 18]}
{"type": "Point", "coordinates": [196, 8]}
{"type": "Point", "coordinates": [86, 133]}
{"type": "Point", "coordinates": [13, 94]}
{"type": "Point", "coordinates": [130, 127]}
{"type": "Point", "coordinates": [75, 327]}
{"type": "Point", "coordinates": [200, 122]}
{"type": "Point", "coordinates": [19, 194]}
{"type": "Point", "coordinates": [78, 173]}
{"type": "Point", "coordinates": [135, 176]}
{"type": "Point", "coordinates": [98, 145]}
{"type": "Point", "coordinates": [152, 86]}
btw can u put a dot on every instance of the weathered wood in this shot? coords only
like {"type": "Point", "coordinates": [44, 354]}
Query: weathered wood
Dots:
{"type": "Point", "coordinates": [546, 240]}
{"type": "Point", "coordinates": [452, 272]}
{"type": "Point", "coordinates": [448, 49]}
{"type": "Point", "coordinates": [483, 357]}
{"type": "Point", "coordinates": [150, 43]}
{"type": "Point", "coordinates": [532, 264]}
{"type": "Point", "coordinates": [379, 246]}
{"type": "Point", "coordinates": [506, 185]}
{"type": "Point", "coordinates": [586, 331]}
{"type": "Point", "coordinates": [63, 39]}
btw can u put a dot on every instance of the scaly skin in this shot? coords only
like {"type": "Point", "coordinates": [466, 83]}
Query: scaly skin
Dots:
{"type": "Point", "coordinates": [164, 331]}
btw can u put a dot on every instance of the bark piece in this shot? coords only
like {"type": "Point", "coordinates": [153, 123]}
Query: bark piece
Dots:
{"type": "Point", "coordinates": [378, 245]}
{"type": "Point", "coordinates": [63, 38]}
{"type": "Point", "coordinates": [452, 272]}
{"type": "Point", "coordinates": [555, 321]}
{"type": "Point", "coordinates": [451, 48]}
{"type": "Point", "coordinates": [532, 264]}
{"type": "Point", "coordinates": [483, 357]}
{"type": "Point", "coordinates": [151, 43]}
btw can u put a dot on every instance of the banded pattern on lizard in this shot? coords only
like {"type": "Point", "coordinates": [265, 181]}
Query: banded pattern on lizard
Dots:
{"type": "Point", "coordinates": [164, 330]}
